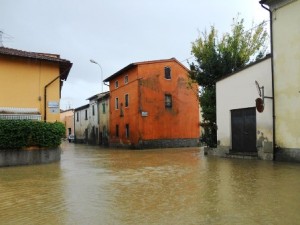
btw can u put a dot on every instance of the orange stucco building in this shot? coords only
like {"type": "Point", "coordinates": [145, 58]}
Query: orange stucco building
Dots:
{"type": "Point", "coordinates": [153, 106]}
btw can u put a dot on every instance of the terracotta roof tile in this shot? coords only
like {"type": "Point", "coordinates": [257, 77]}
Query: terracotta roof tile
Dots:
{"type": "Point", "coordinates": [64, 65]}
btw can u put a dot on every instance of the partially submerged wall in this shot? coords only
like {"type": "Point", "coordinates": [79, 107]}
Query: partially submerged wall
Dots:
{"type": "Point", "coordinates": [29, 157]}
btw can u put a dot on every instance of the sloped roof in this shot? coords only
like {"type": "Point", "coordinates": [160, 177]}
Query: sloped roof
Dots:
{"type": "Point", "coordinates": [268, 56]}
{"type": "Point", "coordinates": [132, 65]}
{"type": "Point", "coordinates": [64, 65]}
{"type": "Point", "coordinates": [98, 96]}
{"type": "Point", "coordinates": [82, 107]}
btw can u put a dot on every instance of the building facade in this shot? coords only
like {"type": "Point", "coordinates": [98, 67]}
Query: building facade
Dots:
{"type": "Point", "coordinates": [285, 36]}
{"type": "Point", "coordinates": [242, 129]}
{"type": "Point", "coordinates": [152, 105]}
{"type": "Point", "coordinates": [91, 120]}
{"type": "Point", "coordinates": [81, 115]}
{"type": "Point", "coordinates": [32, 82]}
{"type": "Point", "coordinates": [67, 118]}
{"type": "Point", "coordinates": [103, 112]}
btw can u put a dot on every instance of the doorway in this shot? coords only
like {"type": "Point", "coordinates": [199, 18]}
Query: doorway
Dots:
{"type": "Point", "coordinates": [243, 130]}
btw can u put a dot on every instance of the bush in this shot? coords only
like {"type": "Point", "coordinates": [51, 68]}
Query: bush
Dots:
{"type": "Point", "coordinates": [17, 134]}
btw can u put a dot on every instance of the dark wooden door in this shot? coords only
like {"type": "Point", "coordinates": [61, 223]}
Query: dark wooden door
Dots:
{"type": "Point", "coordinates": [243, 129]}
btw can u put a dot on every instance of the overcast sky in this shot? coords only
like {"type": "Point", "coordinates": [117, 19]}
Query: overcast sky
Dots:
{"type": "Point", "coordinates": [115, 33]}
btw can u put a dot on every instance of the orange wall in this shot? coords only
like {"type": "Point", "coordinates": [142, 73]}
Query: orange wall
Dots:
{"type": "Point", "coordinates": [146, 88]}
{"type": "Point", "coordinates": [182, 120]}
{"type": "Point", "coordinates": [22, 83]}
{"type": "Point", "coordinates": [130, 112]}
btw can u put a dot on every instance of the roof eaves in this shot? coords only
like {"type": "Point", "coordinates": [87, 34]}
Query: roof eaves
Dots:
{"type": "Point", "coordinates": [82, 107]}
{"type": "Point", "coordinates": [64, 65]}
{"type": "Point", "coordinates": [132, 65]}
{"type": "Point", "coordinates": [126, 68]}
{"type": "Point", "coordinates": [244, 68]}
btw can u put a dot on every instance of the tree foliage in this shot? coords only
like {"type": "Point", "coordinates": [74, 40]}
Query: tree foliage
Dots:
{"type": "Point", "coordinates": [216, 57]}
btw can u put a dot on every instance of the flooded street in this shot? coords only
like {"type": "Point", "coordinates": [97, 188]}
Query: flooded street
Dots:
{"type": "Point", "coordinates": [176, 186]}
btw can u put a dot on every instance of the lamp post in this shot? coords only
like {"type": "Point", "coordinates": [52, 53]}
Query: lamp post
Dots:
{"type": "Point", "coordinates": [93, 61]}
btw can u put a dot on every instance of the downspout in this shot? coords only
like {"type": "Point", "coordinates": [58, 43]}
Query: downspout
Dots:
{"type": "Point", "coordinates": [45, 92]}
{"type": "Point", "coordinates": [45, 97]}
{"type": "Point", "coordinates": [272, 72]}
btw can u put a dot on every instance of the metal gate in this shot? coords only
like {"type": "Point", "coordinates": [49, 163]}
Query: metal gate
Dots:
{"type": "Point", "coordinates": [243, 130]}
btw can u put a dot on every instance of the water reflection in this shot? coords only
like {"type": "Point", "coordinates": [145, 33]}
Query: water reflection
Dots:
{"type": "Point", "coordinates": [177, 186]}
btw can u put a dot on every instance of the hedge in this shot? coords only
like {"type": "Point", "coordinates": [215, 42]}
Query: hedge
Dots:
{"type": "Point", "coordinates": [18, 134]}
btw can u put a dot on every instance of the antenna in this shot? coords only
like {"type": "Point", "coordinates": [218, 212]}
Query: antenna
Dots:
{"type": "Point", "coordinates": [4, 37]}
{"type": "Point", "coordinates": [1, 41]}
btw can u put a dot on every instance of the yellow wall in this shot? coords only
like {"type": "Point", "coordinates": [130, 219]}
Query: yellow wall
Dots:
{"type": "Point", "coordinates": [286, 44]}
{"type": "Point", "coordinates": [22, 83]}
{"type": "Point", "coordinates": [67, 118]}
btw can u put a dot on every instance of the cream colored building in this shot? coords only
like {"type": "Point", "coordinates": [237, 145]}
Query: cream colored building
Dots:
{"type": "Point", "coordinates": [241, 128]}
{"type": "Point", "coordinates": [92, 120]}
{"type": "Point", "coordinates": [67, 118]}
{"type": "Point", "coordinates": [103, 107]}
{"type": "Point", "coordinates": [81, 123]}
{"type": "Point", "coordinates": [285, 32]}
{"type": "Point", "coordinates": [30, 84]}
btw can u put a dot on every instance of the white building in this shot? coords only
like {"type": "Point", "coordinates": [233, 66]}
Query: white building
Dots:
{"type": "Point", "coordinates": [91, 120]}
{"type": "Point", "coordinates": [285, 36]}
{"type": "Point", "coordinates": [81, 115]}
{"type": "Point", "coordinates": [241, 128]}
{"type": "Point", "coordinates": [103, 112]}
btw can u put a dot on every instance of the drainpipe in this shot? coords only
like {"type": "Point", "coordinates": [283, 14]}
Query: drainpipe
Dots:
{"type": "Point", "coordinates": [45, 97]}
{"type": "Point", "coordinates": [272, 72]}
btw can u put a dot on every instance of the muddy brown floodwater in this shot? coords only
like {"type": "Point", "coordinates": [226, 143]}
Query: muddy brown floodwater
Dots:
{"type": "Point", "coordinates": [92, 185]}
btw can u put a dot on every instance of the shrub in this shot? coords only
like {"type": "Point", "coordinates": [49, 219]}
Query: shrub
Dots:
{"type": "Point", "coordinates": [17, 134]}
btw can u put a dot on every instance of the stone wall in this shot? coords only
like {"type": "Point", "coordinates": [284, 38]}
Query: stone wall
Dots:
{"type": "Point", "coordinates": [28, 157]}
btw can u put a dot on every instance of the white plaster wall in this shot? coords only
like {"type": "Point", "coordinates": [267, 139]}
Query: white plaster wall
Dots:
{"type": "Point", "coordinates": [239, 91]}
{"type": "Point", "coordinates": [93, 119]}
{"type": "Point", "coordinates": [82, 124]}
{"type": "Point", "coordinates": [286, 47]}
{"type": "Point", "coordinates": [104, 117]}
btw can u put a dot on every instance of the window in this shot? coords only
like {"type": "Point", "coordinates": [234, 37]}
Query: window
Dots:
{"type": "Point", "coordinates": [126, 79]}
{"type": "Point", "coordinates": [86, 117]}
{"type": "Point", "coordinates": [103, 108]}
{"type": "Point", "coordinates": [168, 73]}
{"type": "Point", "coordinates": [116, 84]}
{"type": "Point", "coordinates": [77, 116]}
{"type": "Point", "coordinates": [93, 110]}
{"type": "Point", "coordinates": [117, 103]}
{"type": "Point", "coordinates": [117, 130]}
{"type": "Point", "coordinates": [127, 130]}
{"type": "Point", "coordinates": [126, 100]}
{"type": "Point", "coordinates": [168, 101]}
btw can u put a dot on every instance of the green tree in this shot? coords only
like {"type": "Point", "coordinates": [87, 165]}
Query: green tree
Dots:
{"type": "Point", "coordinates": [216, 57]}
